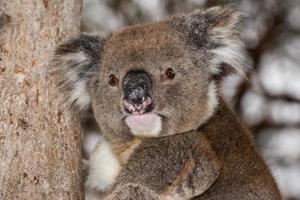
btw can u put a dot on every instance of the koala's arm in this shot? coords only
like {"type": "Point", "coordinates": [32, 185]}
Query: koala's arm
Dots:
{"type": "Point", "coordinates": [132, 191]}
{"type": "Point", "coordinates": [178, 167]}
{"type": "Point", "coordinates": [188, 185]}
{"type": "Point", "coordinates": [198, 174]}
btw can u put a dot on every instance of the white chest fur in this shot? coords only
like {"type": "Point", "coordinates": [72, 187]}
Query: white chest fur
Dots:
{"type": "Point", "coordinates": [104, 167]}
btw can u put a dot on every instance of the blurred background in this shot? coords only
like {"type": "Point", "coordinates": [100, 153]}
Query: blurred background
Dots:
{"type": "Point", "coordinates": [269, 101]}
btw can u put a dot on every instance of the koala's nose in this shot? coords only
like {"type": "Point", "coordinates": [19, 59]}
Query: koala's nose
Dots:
{"type": "Point", "coordinates": [136, 88]}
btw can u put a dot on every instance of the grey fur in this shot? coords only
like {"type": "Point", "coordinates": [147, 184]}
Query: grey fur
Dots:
{"type": "Point", "coordinates": [201, 150]}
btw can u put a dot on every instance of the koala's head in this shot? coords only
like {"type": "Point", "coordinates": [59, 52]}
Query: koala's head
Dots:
{"type": "Point", "coordinates": [154, 79]}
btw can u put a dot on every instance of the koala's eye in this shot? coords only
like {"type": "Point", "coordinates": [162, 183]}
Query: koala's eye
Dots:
{"type": "Point", "coordinates": [170, 73]}
{"type": "Point", "coordinates": [113, 80]}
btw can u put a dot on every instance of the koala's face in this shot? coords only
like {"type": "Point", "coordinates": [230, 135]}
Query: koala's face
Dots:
{"type": "Point", "coordinates": [150, 84]}
{"type": "Point", "coordinates": [152, 80]}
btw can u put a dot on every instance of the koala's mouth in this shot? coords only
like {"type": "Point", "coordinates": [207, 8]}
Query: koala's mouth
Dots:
{"type": "Point", "coordinates": [145, 106]}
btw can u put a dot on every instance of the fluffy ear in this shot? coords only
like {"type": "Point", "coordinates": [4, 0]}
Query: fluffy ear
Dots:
{"type": "Point", "coordinates": [74, 65]}
{"type": "Point", "coordinates": [215, 31]}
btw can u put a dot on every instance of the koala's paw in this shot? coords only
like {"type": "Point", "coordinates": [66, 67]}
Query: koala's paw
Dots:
{"type": "Point", "coordinates": [93, 195]}
{"type": "Point", "coordinates": [132, 191]}
{"type": "Point", "coordinates": [104, 167]}
{"type": "Point", "coordinates": [91, 140]}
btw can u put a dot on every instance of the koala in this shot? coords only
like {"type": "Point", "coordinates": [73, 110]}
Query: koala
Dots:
{"type": "Point", "coordinates": [154, 121]}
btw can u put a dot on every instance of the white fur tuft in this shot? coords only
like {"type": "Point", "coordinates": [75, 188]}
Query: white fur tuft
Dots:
{"type": "Point", "coordinates": [91, 140]}
{"type": "Point", "coordinates": [68, 66]}
{"type": "Point", "coordinates": [76, 58]}
{"type": "Point", "coordinates": [212, 97]}
{"type": "Point", "coordinates": [232, 53]}
{"type": "Point", "coordinates": [79, 95]}
{"type": "Point", "coordinates": [212, 100]}
{"type": "Point", "coordinates": [146, 131]}
{"type": "Point", "coordinates": [104, 167]}
{"type": "Point", "coordinates": [231, 50]}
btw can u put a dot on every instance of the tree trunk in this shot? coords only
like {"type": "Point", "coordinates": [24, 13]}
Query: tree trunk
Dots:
{"type": "Point", "coordinates": [39, 145]}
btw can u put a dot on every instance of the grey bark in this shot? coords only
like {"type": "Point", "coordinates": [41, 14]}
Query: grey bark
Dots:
{"type": "Point", "coordinates": [39, 145]}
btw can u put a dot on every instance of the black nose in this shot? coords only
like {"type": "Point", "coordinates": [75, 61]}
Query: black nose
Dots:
{"type": "Point", "coordinates": [136, 88]}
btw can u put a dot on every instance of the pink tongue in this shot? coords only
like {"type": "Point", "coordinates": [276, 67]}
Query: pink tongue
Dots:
{"type": "Point", "coordinates": [145, 120]}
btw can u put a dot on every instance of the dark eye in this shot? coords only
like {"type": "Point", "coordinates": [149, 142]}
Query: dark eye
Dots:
{"type": "Point", "coordinates": [170, 73]}
{"type": "Point", "coordinates": [113, 80]}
